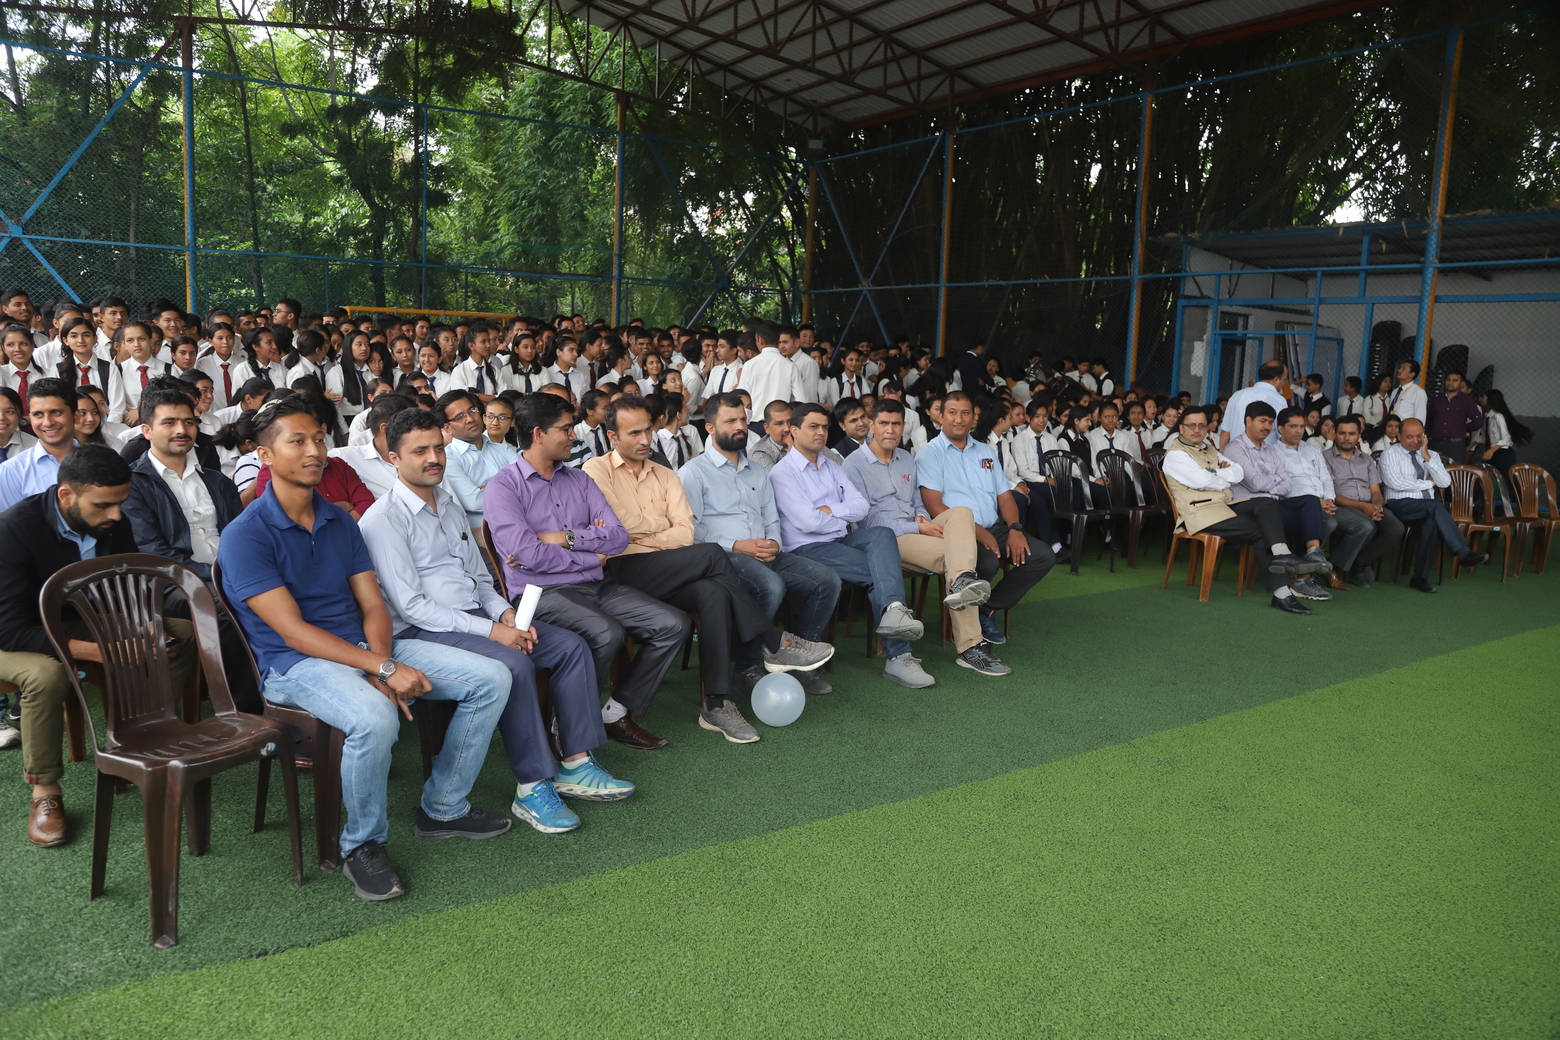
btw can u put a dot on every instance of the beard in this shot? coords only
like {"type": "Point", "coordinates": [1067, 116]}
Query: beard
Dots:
{"type": "Point", "coordinates": [732, 441]}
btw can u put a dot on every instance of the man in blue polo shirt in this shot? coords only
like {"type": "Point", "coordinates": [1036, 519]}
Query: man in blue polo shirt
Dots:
{"type": "Point", "coordinates": [955, 469]}
{"type": "Point", "coordinates": [299, 577]}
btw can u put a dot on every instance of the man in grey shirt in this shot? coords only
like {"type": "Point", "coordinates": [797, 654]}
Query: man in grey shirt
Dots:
{"type": "Point", "coordinates": [1369, 528]}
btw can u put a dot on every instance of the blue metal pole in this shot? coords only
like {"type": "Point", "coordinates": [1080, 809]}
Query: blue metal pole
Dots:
{"type": "Point", "coordinates": [1180, 321]}
{"type": "Point", "coordinates": [187, 60]}
{"type": "Point", "coordinates": [1443, 148]}
{"type": "Point", "coordinates": [1139, 230]}
{"type": "Point", "coordinates": [1316, 314]}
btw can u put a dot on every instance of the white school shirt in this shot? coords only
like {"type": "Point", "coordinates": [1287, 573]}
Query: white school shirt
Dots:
{"type": "Point", "coordinates": [836, 388]}
{"type": "Point", "coordinates": [1375, 409]}
{"type": "Point", "coordinates": [1121, 440]}
{"type": "Point", "coordinates": [723, 379]}
{"type": "Point", "coordinates": [517, 380]}
{"type": "Point", "coordinates": [10, 378]}
{"type": "Point", "coordinates": [211, 364]}
{"type": "Point", "coordinates": [807, 372]}
{"type": "Point", "coordinates": [335, 383]}
{"type": "Point", "coordinates": [464, 377]}
{"type": "Point", "coordinates": [693, 386]}
{"type": "Point", "coordinates": [130, 376]}
{"type": "Point", "coordinates": [1500, 434]}
{"type": "Point", "coordinates": [577, 379]}
{"type": "Point", "coordinates": [1409, 402]}
{"type": "Point", "coordinates": [1347, 405]}
{"type": "Point", "coordinates": [276, 372]}
{"type": "Point", "coordinates": [770, 377]}
{"type": "Point", "coordinates": [595, 440]}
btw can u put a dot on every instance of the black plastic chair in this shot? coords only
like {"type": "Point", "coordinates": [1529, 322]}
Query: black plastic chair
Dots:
{"type": "Point", "coordinates": [1134, 494]}
{"type": "Point", "coordinates": [1071, 503]}
{"type": "Point", "coordinates": [171, 761]}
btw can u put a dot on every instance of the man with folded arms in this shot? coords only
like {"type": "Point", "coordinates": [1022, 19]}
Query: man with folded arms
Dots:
{"type": "Point", "coordinates": [1412, 476]}
{"type": "Point", "coordinates": [1369, 528]}
{"type": "Point", "coordinates": [301, 581]}
{"type": "Point", "coordinates": [886, 475]}
{"type": "Point", "coordinates": [437, 588]}
{"type": "Point", "coordinates": [817, 505]}
{"type": "Point", "coordinates": [1309, 479]}
{"type": "Point", "coordinates": [662, 560]}
{"type": "Point", "coordinates": [733, 506]}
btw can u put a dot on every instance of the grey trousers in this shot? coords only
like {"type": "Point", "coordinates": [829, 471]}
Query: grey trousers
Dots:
{"type": "Point", "coordinates": [605, 613]}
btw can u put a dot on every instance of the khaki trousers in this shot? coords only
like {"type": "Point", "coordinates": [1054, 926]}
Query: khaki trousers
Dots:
{"type": "Point", "coordinates": [952, 555]}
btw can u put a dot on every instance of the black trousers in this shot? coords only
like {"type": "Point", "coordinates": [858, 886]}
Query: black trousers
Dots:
{"type": "Point", "coordinates": [1304, 520]}
{"type": "Point", "coordinates": [1258, 523]}
{"type": "Point", "coordinates": [1437, 528]}
{"type": "Point", "coordinates": [699, 579]}
{"type": "Point", "coordinates": [1006, 593]}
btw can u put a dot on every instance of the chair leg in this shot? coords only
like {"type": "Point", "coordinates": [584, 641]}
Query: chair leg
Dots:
{"type": "Point", "coordinates": [161, 809]}
{"type": "Point", "coordinates": [327, 796]}
{"type": "Point", "coordinates": [75, 728]}
{"type": "Point", "coordinates": [262, 792]}
{"type": "Point", "coordinates": [1505, 559]}
{"type": "Point", "coordinates": [1210, 564]}
{"type": "Point", "coordinates": [1169, 560]}
{"type": "Point", "coordinates": [197, 812]}
{"type": "Point", "coordinates": [1134, 532]}
{"type": "Point", "coordinates": [102, 818]}
{"type": "Point", "coordinates": [1196, 551]}
{"type": "Point", "coordinates": [290, 790]}
{"type": "Point", "coordinates": [1080, 531]}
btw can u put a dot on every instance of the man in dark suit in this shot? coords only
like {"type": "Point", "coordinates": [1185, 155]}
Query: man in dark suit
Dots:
{"type": "Point", "coordinates": [77, 519]}
{"type": "Point", "coordinates": [972, 369]}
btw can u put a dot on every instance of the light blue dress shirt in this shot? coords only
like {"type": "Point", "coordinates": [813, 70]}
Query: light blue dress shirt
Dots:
{"type": "Point", "coordinates": [86, 544]}
{"type": "Point", "coordinates": [32, 471]}
{"type": "Point", "coordinates": [729, 503]}
{"type": "Point", "coordinates": [890, 488]}
{"type": "Point", "coordinates": [801, 487]}
{"type": "Point", "coordinates": [970, 477]}
{"type": "Point", "coordinates": [470, 467]}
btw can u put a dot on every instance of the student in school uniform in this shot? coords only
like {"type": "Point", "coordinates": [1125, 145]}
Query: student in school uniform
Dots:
{"type": "Point", "coordinates": [81, 366]}
{"type": "Point", "coordinates": [19, 370]}
{"type": "Point", "coordinates": [264, 359]}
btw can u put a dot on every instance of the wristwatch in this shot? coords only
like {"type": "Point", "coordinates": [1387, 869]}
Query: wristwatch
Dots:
{"type": "Point", "coordinates": [386, 670]}
{"type": "Point", "coordinates": [568, 540]}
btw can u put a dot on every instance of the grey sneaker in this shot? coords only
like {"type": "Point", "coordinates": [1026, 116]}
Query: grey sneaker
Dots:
{"type": "Point", "coordinates": [1308, 588]}
{"type": "Point", "coordinates": [981, 659]}
{"type": "Point", "coordinates": [907, 671]}
{"type": "Point", "coordinates": [1362, 576]}
{"type": "Point", "coordinates": [369, 869]}
{"type": "Point", "coordinates": [898, 623]}
{"type": "Point", "coordinates": [729, 723]}
{"type": "Point", "coordinates": [797, 655]}
{"type": "Point", "coordinates": [968, 590]}
{"type": "Point", "coordinates": [9, 735]}
{"type": "Point", "coordinates": [1319, 562]}
{"type": "Point", "coordinates": [812, 683]}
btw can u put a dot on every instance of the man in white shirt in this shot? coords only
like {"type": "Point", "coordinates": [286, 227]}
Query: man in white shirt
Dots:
{"type": "Point", "coordinates": [1351, 403]}
{"type": "Point", "coordinates": [438, 589]}
{"type": "Point", "coordinates": [472, 459]}
{"type": "Point", "coordinates": [1411, 476]}
{"type": "Point", "coordinates": [807, 371]}
{"type": "Point", "coordinates": [725, 368]}
{"type": "Point", "coordinates": [478, 373]}
{"type": "Point", "coordinates": [1272, 379]}
{"type": "Point", "coordinates": [1309, 478]}
{"type": "Point", "coordinates": [1408, 399]}
{"type": "Point", "coordinates": [770, 376]}
{"type": "Point", "coordinates": [371, 460]}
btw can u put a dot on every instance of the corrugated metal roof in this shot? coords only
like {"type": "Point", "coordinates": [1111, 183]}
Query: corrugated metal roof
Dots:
{"type": "Point", "coordinates": [1465, 238]}
{"type": "Point", "coordinates": [848, 63]}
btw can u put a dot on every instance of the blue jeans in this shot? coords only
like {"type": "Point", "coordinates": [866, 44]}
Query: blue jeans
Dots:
{"type": "Point", "coordinates": [868, 557]}
{"type": "Point", "coordinates": [342, 697]}
{"type": "Point", "coordinates": [768, 583]}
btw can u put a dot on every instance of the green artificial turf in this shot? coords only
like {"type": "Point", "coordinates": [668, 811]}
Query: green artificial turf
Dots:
{"type": "Point", "coordinates": [1373, 859]}
{"type": "Point", "coordinates": [1098, 659]}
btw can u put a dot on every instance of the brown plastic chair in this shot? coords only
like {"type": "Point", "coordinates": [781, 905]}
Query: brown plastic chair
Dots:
{"type": "Point", "coordinates": [1506, 510]}
{"type": "Point", "coordinates": [120, 599]}
{"type": "Point", "coordinates": [1464, 480]}
{"type": "Point", "coordinates": [1538, 507]}
{"type": "Point", "coordinates": [1204, 546]}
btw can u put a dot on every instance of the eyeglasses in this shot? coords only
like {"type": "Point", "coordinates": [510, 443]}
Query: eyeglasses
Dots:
{"type": "Point", "coordinates": [498, 417]}
{"type": "Point", "coordinates": [464, 415]}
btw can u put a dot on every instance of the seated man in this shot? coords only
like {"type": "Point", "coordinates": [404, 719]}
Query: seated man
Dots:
{"type": "Point", "coordinates": [473, 459]}
{"type": "Point", "coordinates": [1200, 479]}
{"type": "Point", "coordinates": [300, 580]}
{"type": "Point", "coordinates": [733, 506]}
{"type": "Point", "coordinates": [1264, 475]}
{"type": "Point", "coordinates": [956, 469]}
{"type": "Point", "coordinates": [552, 528]}
{"type": "Point", "coordinates": [817, 505]}
{"type": "Point", "coordinates": [51, 409]}
{"type": "Point", "coordinates": [1411, 474]}
{"type": "Point", "coordinates": [885, 474]}
{"type": "Point", "coordinates": [1308, 479]}
{"type": "Point", "coordinates": [76, 519]}
{"type": "Point", "coordinates": [776, 441]}
{"type": "Point", "coordinates": [437, 588]}
{"type": "Point", "coordinates": [178, 508]}
{"type": "Point", "coordinates": [1369, 528]}
{"type": "Point", "coordinates": [662, 560]}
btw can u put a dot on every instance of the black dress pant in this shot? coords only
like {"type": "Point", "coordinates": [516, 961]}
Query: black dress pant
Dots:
{"type": "Point", "coordinates": [1258, 523]}
{"type": "Point", "coordinates": [1006, 593]}
{"type": "Point", "coordinates": [1437, 527]}
{"type": "Point", "coordinates": [699, 579]}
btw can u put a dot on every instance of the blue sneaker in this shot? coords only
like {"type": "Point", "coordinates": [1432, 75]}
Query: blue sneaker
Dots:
{"type": "Point", "coordinates": [589, 781]}
{"type": "Point", "coordinates": [990, 631]}
{"type": "Point", "coordinates": [544, 810]}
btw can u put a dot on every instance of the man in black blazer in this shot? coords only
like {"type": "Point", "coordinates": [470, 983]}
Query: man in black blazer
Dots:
{"type": "Point", "coordinates": [78, 518]}
{"type": "Point", "coordinates": [179, 507]}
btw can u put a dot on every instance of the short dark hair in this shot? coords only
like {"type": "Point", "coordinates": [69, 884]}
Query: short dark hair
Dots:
{"type": "Point", "coordinates": [58, 388]}
{"type": "Point", "coordinates": [767, 331]}
{"type": "Point", "coordinates": [1413, 366]}
{"type": "Point", "coordinates": [1259, 410]}
{"type": "Point", "coordinates": [728, 400]}
{"type": "Point", "coordinates": [958, 395]}
{"type": "Point", "coordinates": [1191, 410]}
{"type": "Point", "coordinates": [385, 408]}
{"type": "Point", "coordinates": [1352, 420]}
{"type": "Point", "coordinates": [769, 409]}
{"type": "Point", "coordinates": [93, 465]}
{"type": "Point", "coordinates": [1353, 381]}
{"type": "Point", "coordinates": [1459, 373]}
{"type": "Point", "coordinates": [449, 397]}
{"type": "Point", "coordinates": [1286, 415]}
{"type": "Point", "coordinates": [802, 409]}
{"type": "Point", "coordinates": [1316, 377]}
{"type": "Point", "coordinates": [844, 406]}
{"type": "Point", "coordinates": [627, 403]}
{"type": "Point", "coordinates": [591, 398]}
{"type": "Point", "coordinates": [407, 420]}
{"type": "Point", "coordinates": [154, 398]}
{"type": "Point", "coordinates": [1271, 370]}
{"type": "Point", "coordinates": [888, 406]}
{"type": "Point", "coordinates": [538, 411]}
{"type": "Point", "coordinates": [278, 409]}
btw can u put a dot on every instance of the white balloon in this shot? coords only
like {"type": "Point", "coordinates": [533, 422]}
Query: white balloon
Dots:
{"type": "Point", "coordinates": [778, 699]}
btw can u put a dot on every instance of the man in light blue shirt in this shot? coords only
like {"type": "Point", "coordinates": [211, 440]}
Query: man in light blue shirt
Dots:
{"type": "Point", "coordinates": [1270, 377]}
{"type": "Point", "coordinates": [955, 469]}
{"type": "Point", "coordinates": [734, 506]}
{"type": "Point", "coordinates": [817, 504]}
{"type": "Point", "coordinates": [473, 459]}
{"type": "Point", "coordinates": [437, 589]}
{"type": "Point", "coordinates": [51, 407]}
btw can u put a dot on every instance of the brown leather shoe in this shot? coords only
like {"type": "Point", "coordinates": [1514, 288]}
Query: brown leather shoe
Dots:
{"type": "Point", "coordinates": [47, 825]}
{"type": "Point", "coordinates": [1335, 582]}
{"type": "Point", "coordinates": [627, 731]}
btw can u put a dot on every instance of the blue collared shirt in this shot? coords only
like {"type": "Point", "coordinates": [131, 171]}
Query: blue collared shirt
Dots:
{"type": "Point", "coordinates": [969, 477]}
{"type": "Point", "coordinates": [86, 544]}
{"type": "Point", "coordinates": [32, 471]}
{"type": "Point", "coordinates": [470, 467]}
{"type": "Point", "coordinates": [729, 503]}
{"type": "Point", "coordinates": [805, 486]}
{"type": "Point", "coordinates": [266, 549]}
{"type": "Point", "coordinates": [890, 488]}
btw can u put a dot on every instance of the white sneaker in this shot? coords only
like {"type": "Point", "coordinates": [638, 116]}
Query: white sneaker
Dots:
{"type": "Point", "coordinates": [898, 623]}
{"type": "Point", "coordinates": [10, 736]}
{"type": "Point", "coordinates": [907, 671]}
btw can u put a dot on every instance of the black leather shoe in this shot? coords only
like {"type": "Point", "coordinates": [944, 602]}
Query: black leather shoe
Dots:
{"type": "Point", "coordinates": [1474, 559]}
{"type": "Point", "coordinates": [1290, 564]}
{"type": "Point", "coordinates": [627, 731]}
{"type": "Point", "coordinates": [1422, 584]}
{"type": "Point", "coordinates": [1289, 605]}
{"type": "Point", "coordinates": [1362, 577]}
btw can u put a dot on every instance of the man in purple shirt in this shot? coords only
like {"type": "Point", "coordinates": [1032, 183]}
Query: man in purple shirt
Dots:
{"type": "Point", "coordinates": [1454, 416]}
{"type": "Point", "coordinates": [552, 527]}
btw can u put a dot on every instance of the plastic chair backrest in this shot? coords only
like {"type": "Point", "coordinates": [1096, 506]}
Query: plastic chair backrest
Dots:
{"type": "Point", "coordinates": [121, 600]}
{"type": "Point", "coordinates": [1508, 504]}
{"type": "Point", "coordinates": [1155, 459]}
{"type": "Point", "coordinates": [1169, 501]}
{"type": "Point", "coordinates": [1533, 483]}
{"type": "Point", "coordinates": [498, 561]}
{"type": "Point", "coordinates": [1121, 472]}
{"type": "Point", "coordinates": [1063, 467]}
{"type": "Point", "coordinates": [1464, 480]}
{"type": "Point", "coordinates": [226, 608]}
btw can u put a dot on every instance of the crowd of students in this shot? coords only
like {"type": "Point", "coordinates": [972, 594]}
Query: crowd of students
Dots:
{"type": "Point", "coordinates": [340, 472]}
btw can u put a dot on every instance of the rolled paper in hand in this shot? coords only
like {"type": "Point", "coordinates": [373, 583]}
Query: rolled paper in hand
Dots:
{"type": "Point", "coordinates": [525, 610]}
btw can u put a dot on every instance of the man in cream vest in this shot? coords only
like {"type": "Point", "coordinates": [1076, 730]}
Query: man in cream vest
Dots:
{"type": "Point", "coordinates": [1199, 480]}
